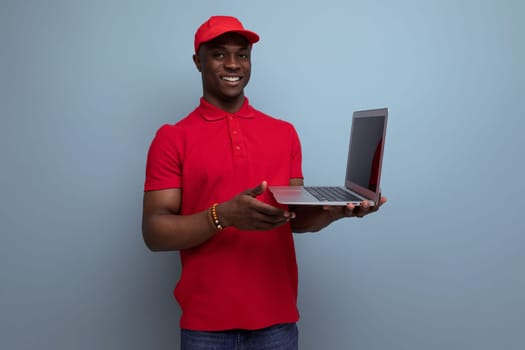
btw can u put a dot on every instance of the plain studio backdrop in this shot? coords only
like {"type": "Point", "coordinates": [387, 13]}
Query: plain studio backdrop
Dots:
{"type": "Point", "coordinates": [86, 84]}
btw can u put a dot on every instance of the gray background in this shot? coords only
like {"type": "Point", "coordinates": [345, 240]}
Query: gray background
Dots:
{"type": "Point", "coordinates": [85, 85]}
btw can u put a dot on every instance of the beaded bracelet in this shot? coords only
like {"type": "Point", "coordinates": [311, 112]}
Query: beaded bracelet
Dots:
{"type": "Point", "coordinates": [215, 217]}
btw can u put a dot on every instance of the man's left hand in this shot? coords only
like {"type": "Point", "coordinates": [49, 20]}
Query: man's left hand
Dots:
{"type": "Point", "coordinates": [352, 210]}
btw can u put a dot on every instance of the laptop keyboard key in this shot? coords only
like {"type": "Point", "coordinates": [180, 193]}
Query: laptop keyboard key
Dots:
{"type": "Point", "coordinates": [331, 193]}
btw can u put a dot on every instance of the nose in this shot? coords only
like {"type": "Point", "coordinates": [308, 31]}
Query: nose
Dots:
{"type": "Point", "coordinates": [231, 62]}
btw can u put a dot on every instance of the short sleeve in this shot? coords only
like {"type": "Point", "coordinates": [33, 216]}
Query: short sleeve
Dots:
{"type": "Point", "coordinates": [296, 171]}
{"type": "Point", "coordinates": [164, 160]}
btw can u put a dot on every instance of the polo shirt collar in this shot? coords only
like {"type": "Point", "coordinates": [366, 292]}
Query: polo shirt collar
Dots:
{"type": "Point", "coordinates": [211, 112]}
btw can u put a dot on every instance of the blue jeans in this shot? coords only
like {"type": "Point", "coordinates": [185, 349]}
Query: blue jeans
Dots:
{"type": "Point", "coordinates": [279, 337]}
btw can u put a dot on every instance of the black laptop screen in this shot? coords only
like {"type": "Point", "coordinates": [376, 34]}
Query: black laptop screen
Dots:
{"type": "Point", "coordinates": [364, 156]}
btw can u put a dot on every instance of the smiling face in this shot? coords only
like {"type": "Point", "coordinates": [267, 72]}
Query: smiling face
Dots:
{"type": "Point", "coordinates": [225, 66]}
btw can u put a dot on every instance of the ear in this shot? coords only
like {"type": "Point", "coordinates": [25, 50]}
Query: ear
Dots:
{"type": "Point", "coordinates": [197, 61]}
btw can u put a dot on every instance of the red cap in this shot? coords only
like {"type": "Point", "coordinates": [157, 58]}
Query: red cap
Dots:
{"type": "Point", "coordinates": [218, 25]}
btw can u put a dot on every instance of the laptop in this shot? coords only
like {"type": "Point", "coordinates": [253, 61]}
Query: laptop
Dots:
{"type": "Point", "coordinates": [363, 167]}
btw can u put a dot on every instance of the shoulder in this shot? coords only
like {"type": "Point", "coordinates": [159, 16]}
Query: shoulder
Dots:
{"type": "Point", "coordinates": [177, 129]}
{"type": "Point", "coordinates": [273, 121]}
{"type": "Point", "coordinates": [276, 128]}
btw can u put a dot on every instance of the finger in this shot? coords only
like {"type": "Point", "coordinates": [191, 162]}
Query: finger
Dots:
{"type": "Point", "coordinates": [274, 220]}
{"type": "Point", "coordinates": [382, 200]}
{"type": "Point", "coordinates": [256, 191]}
{"type": "Point", "coordinates": [271, 211]}
{"type": "Point", "coordinates": [268, 222]}
{"type": "Point", "coordinates": [349, 210]}
{"type": "Point", "coordinates": [360, 212]}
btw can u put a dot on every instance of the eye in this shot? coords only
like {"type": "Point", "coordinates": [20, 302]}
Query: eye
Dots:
{"type": "Point", "coordinates": [218, 55]}
{"type": "Point", "coordinates": [244, 56]}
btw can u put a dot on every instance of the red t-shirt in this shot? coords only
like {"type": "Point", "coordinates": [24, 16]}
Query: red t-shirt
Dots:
{"type": "Point", "coordinates": [236, 279]}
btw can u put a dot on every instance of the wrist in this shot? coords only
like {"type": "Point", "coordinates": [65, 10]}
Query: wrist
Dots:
{"type": "Point", "coordinates": [214, 215]}
{"type": "Point", "coordinates": [218, 217]}
{"type": "Point", "coordinates": [221, 214]}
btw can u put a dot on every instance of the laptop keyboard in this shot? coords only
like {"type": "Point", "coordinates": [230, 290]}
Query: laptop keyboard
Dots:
{"type": "Point", "coordinates": [333, 193]}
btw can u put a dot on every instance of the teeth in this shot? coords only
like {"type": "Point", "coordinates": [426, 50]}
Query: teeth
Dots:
{"type": "Point", "coordinates": [231, 78]}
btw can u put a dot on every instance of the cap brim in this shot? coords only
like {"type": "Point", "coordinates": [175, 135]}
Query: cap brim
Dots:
{"type": "Point", "coordinates": [251, 36]}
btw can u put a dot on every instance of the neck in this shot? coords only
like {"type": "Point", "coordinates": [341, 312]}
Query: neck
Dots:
{"type": "Point", "coordinates": [228, 105]}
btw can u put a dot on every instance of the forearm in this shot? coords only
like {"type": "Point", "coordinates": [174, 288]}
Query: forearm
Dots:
{"type": "Point", "coordinates": [163, 228]}
{"type": "Point", "coordinates": [312, 218]}
{"type": "Point", "coordinates": [167, 232]}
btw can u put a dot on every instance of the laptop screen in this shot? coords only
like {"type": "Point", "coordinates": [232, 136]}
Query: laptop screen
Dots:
{"type": "Point", "coordinates": [366, 150]}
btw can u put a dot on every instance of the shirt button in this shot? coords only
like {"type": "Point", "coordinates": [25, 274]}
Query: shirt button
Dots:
{"type": "Point", "coordinates": [231, 117]}
{"type": "Point", "coordinates": [238, 148]}
{"type": "Point", "coordinates": [234, 132]}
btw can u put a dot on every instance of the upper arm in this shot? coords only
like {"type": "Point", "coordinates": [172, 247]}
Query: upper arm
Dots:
{"type": "Point", "coordinates": [161, 202]}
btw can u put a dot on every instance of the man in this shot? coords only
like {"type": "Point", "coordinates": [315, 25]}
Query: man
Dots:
{"type": "Point", "coordinates": [206, 196]}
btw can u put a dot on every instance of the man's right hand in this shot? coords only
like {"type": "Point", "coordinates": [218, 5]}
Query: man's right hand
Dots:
{"type": "Point", "coordinates": [246, 212]}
